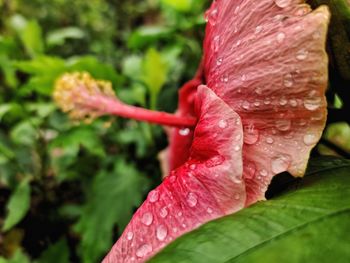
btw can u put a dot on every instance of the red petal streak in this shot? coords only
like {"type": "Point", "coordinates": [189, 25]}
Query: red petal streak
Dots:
{"type": "Point", "coordinates": [207, 186]}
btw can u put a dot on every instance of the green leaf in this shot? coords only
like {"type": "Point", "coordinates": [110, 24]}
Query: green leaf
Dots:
{"type": "Point", "coordinates": [59, 36]}
{"type": "Point", "coordinates": [179, 5]}
{"type": "Point", "coordinates": [32, 39]}
{"type": "Point", "coordinates": [18, 205]}
{"type": "Point", "coordinates": [18, 257]}
{"type": "Point", "coordinates": [111, 200]}
{"type": "Point", "coordinates": [308, 223]}
{"type": "Point", "coordinates": [145, 35]}
{"type": "Point", "coordinates": [155, 72]}
{"type": "Point", "coordinates": [56, 253]}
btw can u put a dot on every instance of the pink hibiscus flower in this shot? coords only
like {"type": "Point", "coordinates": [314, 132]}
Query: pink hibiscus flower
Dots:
{"type": "Point", "coordinates": [256, 108]}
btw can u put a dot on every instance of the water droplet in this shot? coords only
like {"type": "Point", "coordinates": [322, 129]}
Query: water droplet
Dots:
{"type": "Point", "coordinates": [258, 29]}
{"type": "Point", "coordinates": [238, 137]}
{"type": "Point", "coordinates": [153, 196]}
{"type": "Point", "coordinates": [192, 199]}
{"type": "Point", "coordinates": [224, 78]}
{"type": "Point", "coordinates": [257, 103]}
{"type": "Point", "coordinates": [310, 139]}
{"type": "Point", "coordinates": [263, 172]}
{"type": "Point", "coordinates": [288, 80]}
{"type": "Point", "coordinates": [282, 3]}
{"type": "Point", "coordinates": [175, 229]}
{"type": "Point", "coordinates": [179, 214]}
{"type": "Point", "coordinates": [280, 37]}
{"type": "Point", "coordinates": [161, 232]}
{"type": "Point", "coordinates": [211, 15]}
{"type": "Point", "coordinates": [163, 212]}
{"type": "Point", "coordinates": [283, 101]}
{"type": "Point", "coordinates": [129, 235]}
{"type": "Point", "coordinates": [223, 124]}
{"type": "Point", "coordinates": [215, 161]}
{"type": "Point", "coordinates": [237, 148]}
{"type": "Point", "coordinates": [293, 102]}
{"type": "Point", "coordinates": [267, 101]}
{"type": "Point", "coordinates": [147, 218]}
{"type": "Point", "coordinates": [237, 196]}
{"type": "Point", "coordinates": [302, 54]}
{"type": "Point", "coordinates": [280, 164]}
{"type": "Point", "coordinates": [143, 250]}
{"type": "Point", "coordinates": [209, 210]}
{"type": "Point", "coordinates": [172, 178]}
{"type": "Point", "coordinates": [245, 105]}
{"type": "Point", "coordinates": [184, 131]}
{"type": "Point", "coordinates": [236, 10]}
{"type": "Point", "coordinates": [283, 124]}
{"type": "Point", "coordinates": [219, 61]}
{"type": "Point", "coordinates": [244, 77]}
{"type": "Point", "coordinates": [258, 91]}
{"type": "Point", "coordinates": [216, 43]}
{"type": "Point", "coordinates": [312, 103]}
{"type": "Point", "coordinates": [269, 140]}
{"type": "Point", "coordinates": [251, 134]}
{"type": "Point", "coordinates": [193, 166]}
{"type": "Point", "coordinates": [249, 170]}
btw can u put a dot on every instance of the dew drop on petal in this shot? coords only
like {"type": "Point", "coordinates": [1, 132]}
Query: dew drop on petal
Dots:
{"type": "Point", "coordinates": [269, 140]}
{"type": "Point", "coordinates": [258, 91]}
{"type": "Point", "coordinates": [193, 166]}
{"type": "Point", "coordinates": [192, 199]}
{"type": "Point", "coordinates": [245, 105]}
{"type": "Point", "coordinates": [283, 124]}
{"type": "Point", "coordinates": [209, 210]}
{"type": "Point", "coordinates": [129, 235]}
{"type": "Point", "coordinates": [237, 196]}
{"type": "Point", "coordinates": [280, 37]}
{"type": "Point", "coordinates": [280, 164]}
{"type": "Point", "coordinates": [258, 29]}
{"type": "Point", "coordinates": [143, 250]}
{"type": "Point", "coordinates": [161, 232]}
{"type": "Point", "coordinates": [263, 172]}
{"type": "Point", "coordinates": [163, 212]}
{"type": "Point", "coordinates": [293, 102]}
{"type": "Point", "coordinates": [153, 196]}
{"type": "Point", "coordinates": [312, 103]}
{"type": "Point", "coordinates": [184, 131]}
{"type": "Point", "coordinates": [216, 43]}
{"type": "Point", "coordinates": [249, 170]}
{"type": "Point", "coordinates": [283, 101]}
{"type": "Point", "coordinates": [288, 80]}
{"type": "Point", "coordinates": [310, 139]}
{"type": "Point", "coordinates": [251, 134]}
{"type": "Point", "coordinates": [282, 3]}
{"type": "Point", "coordinates": [219, 61]}
{"type": "Point", "coordinates": [302, 54]}
{"type": "Point", "coordinates": [147, 218]}
{"type": "Point", "coordinates": [211, 16]}
{"type": "Point", "coordinates": [224, 78]}
{"type": "Point", "coordinates": [237, 148]}
{"type": "Point", "coordinates": [223, 124]}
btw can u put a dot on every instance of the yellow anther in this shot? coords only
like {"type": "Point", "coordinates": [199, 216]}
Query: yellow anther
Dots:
{"type": "Point", "coordinates": [75, 93]}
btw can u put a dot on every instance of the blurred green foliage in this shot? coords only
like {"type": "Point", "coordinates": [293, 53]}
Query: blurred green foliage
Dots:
{"type": "Point", "coordinates": [66, 190]}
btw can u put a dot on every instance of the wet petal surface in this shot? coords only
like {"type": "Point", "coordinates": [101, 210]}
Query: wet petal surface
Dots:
{"type": "Point", "coordinates": [269, 64]}
{"type": "Point", "coordinates": [209, 185]}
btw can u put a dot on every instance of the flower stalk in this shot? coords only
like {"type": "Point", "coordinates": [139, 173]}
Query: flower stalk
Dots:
{"type": "Point", "coordinates": [84, 97]}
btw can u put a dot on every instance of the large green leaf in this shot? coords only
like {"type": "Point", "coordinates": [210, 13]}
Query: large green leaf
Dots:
{"type": "Point", "coordinates": [310, 222]}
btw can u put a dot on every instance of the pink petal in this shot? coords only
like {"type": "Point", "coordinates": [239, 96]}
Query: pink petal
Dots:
{"type": "Point", "coordinates": [266, 59]}
{"type": "Point", "coordinates": [207, 186]}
